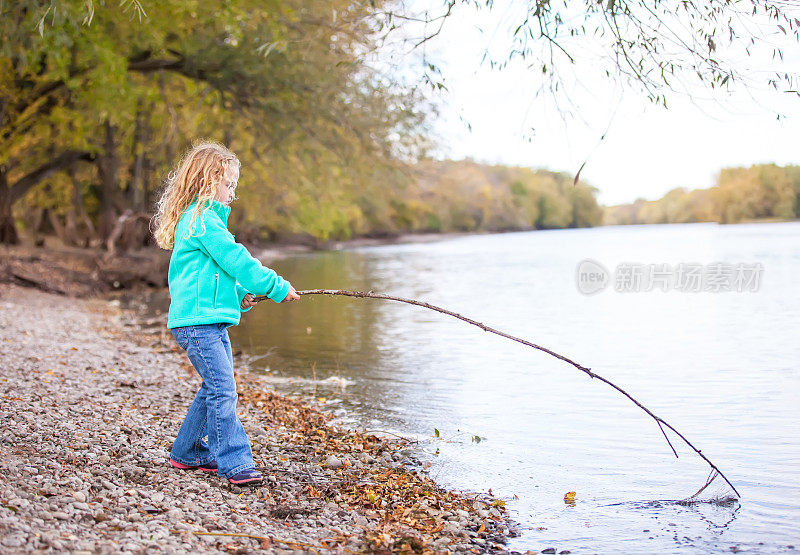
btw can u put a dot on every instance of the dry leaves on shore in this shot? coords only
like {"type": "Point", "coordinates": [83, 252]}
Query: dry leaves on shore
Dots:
{"type": "Point", "coordinates": [406, 510]}
{"type": "Point", "coordinates": [403, 509]}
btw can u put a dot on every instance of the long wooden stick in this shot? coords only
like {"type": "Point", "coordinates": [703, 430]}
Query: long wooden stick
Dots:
{"type": "Point", "coordinates": [588, 371]}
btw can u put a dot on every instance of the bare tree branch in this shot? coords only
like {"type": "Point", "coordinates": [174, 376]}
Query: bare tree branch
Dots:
{"type": "Point", "coordinates": [60, 162]}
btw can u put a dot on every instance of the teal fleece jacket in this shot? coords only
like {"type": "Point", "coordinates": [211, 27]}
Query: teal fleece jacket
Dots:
{"type": "Point", "coordinates": [210, 273]}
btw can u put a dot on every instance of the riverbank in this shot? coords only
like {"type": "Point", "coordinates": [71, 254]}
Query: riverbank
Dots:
{"type": "Point", "coordinates": [267, 252]}
{"type": "Point", "coordinates": [89, 405]}
{"type": "Point", "coordinates": [87, 271]}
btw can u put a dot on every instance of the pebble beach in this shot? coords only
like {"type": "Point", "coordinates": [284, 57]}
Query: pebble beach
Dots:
{"type": "Point", "coordinates": [90, 403]}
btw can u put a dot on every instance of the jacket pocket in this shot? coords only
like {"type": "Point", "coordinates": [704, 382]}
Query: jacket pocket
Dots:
{"type": "Point", "coordinates": [216, 288]}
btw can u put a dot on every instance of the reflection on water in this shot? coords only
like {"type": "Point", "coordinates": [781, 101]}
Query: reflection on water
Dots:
{"type": "Point", "coordinates": [723, 368]}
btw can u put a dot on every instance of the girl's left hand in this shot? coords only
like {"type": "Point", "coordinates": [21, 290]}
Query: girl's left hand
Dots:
{"type": "Point", "coordinates": [248, 302]}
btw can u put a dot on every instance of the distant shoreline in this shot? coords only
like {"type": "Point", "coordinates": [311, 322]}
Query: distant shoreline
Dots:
{"type": "Point", "coordinates": [277, 250]}
{"type": "Point", "coordinates": [274, 251]}
{"type": "Point", "coordinates": [88, 272]}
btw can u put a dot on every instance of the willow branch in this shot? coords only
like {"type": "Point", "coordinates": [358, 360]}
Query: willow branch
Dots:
{"type": "Point", "coordinates": [588, 371]}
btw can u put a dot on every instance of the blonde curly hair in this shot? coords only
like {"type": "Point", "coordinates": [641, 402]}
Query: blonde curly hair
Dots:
{"type": "Point", "coordinates": [199, 173]}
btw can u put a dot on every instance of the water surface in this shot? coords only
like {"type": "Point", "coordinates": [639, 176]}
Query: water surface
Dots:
{"type": "Point", "coordinates": [723, 368]}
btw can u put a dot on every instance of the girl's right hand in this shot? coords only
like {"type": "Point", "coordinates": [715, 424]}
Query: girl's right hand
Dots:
{"type": "Point", "coordinates": [291, 295]}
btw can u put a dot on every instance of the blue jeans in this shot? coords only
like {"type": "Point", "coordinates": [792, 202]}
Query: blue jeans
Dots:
{"type": "Point", "coordinates": [213, 411]}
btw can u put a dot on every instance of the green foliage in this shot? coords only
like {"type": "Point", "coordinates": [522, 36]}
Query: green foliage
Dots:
{"type": "Point", "coordinates": [327, 142]}
{"type": "Point", "coordinates": [129, 86]}
{"type": "Point", "coordinates": [759, 192]}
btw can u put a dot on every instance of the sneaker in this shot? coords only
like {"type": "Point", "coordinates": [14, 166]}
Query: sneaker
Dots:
{"type": "Point", "coordinates": [249, 477]}
{"type": "Point", "coordinates": [208, 467]}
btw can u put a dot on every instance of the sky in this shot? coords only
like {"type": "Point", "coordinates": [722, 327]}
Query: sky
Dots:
{"type": "Point", "coordinates": [647, 150]}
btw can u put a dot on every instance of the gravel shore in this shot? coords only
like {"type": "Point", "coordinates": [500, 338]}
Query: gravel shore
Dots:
{"type": "Point", "coordinates": [89, 406]}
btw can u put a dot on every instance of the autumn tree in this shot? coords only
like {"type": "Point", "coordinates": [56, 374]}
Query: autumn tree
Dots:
{"type": "Point", "coordinates": [126, 87]}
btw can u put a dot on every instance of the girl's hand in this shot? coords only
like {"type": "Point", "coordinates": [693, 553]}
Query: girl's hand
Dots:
{"type": "Point", "coordinates": [291, 295]}
{"type": "Point", "coordinates": [248, 302]}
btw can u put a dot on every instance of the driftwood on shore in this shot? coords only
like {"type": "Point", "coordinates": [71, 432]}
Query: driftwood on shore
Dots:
{"type": "Point", "coordinates": [127, 270]}
{"type": "Point", "coordinates": [83, 272]}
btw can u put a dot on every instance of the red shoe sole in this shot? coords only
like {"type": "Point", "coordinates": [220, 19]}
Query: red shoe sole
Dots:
{"type": "Point", "coordinates": [182, 466]}
{"type": "Point", "coordinates": [254, 481]}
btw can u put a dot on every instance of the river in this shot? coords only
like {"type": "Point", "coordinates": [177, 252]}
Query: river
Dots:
{"type": "Point", "coordinates": [722, 366]}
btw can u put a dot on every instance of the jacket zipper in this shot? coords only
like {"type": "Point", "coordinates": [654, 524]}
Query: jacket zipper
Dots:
{"type": "Point", "coordinates": [216, 287]}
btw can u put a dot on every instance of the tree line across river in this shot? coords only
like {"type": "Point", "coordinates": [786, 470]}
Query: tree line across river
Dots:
{"type": "Point", "coordinates": [760, 192]}
{"type": "Point", "coordinates": [442, 196]}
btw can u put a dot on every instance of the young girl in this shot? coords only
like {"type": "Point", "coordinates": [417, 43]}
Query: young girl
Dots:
{"type": "Point", "coordinates": [212, 279]}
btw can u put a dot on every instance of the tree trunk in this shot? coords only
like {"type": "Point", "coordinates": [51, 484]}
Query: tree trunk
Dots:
{"type": "Point", "coordinates": [58, 228]}
{"type": "Point", "coordinates": [137, 189]}
{"type": "Point", "coordinates": [8, 227]}
{"type": "Point", "coordinates": [71, 234]}
{"type": "Point", "coordinates": [147, 161]}
{"type": "Point", "coordinates": [170, 138]}
{"type": "Point", "coordinates": [80, 210]}
{"type": "Point", "coordinates": [108, 168]}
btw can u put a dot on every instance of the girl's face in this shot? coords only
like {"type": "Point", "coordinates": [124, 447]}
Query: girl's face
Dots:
{"type": "Point", "coordinates": [227, 187]}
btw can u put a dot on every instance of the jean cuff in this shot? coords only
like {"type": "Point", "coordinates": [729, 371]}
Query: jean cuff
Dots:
{"type": "Point", "coordinates": [236, 470]}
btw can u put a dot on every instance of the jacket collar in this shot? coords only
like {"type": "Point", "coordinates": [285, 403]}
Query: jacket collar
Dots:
{"type": "Point", "coordinates": [222, 211]}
